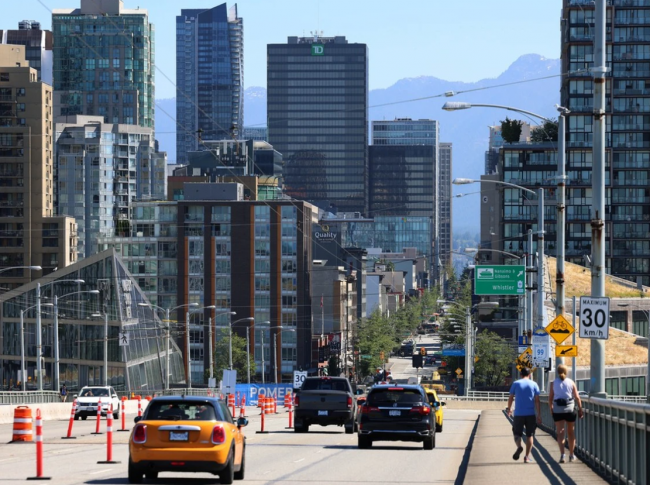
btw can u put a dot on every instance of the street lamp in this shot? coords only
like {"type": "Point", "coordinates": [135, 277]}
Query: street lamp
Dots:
{"type": "Point", "coordinates": [647, 377]}
{"type": "Point", "coordinates": [187, 341]}
{"type": "Point", "coordinates": [263, 327]}
{"type": "Point", "coordinates": [167, 336]}
{"type": "Point", "coordinates": [55, 334]}
{"type": "Point", "coordinates": [275, 348]}
{"type": "Point", "coordinates": [34, 268]}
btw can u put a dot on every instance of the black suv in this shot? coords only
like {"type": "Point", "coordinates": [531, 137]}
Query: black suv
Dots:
{"type": "Point", "coordinates": [397, 413]}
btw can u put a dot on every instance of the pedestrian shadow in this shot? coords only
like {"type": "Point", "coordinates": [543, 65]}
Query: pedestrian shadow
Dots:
{"type": "Point", "coordinates": [549, 467]}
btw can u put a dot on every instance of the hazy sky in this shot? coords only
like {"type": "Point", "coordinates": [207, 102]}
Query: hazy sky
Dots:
{"type": "Point", "coordinates": [455, 40]}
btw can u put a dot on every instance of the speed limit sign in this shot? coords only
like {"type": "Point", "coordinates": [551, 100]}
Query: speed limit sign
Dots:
{"type": "Point", "coordinates": [594, 317]}
{"type": "Point", "coordinates": [298, 378]}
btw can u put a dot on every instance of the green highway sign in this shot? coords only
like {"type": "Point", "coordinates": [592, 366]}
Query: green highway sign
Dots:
{"type": "Point", "coordinates": [499, 280]}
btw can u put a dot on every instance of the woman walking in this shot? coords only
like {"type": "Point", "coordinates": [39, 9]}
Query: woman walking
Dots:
{"type": "Point", "coordinates": [564, 396]}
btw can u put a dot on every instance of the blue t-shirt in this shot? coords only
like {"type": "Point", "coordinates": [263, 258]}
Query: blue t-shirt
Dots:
{"type": "Point", "coordinates": [524, 391]}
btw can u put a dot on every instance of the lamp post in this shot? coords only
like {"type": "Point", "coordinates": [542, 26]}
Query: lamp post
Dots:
{"type": "Point", "coordinates": [275, 347]}
{"type": "Point", "coordinates": [561, 189]}
{"type": "Point", "coordinates": [167, 333]}
{"type": "Point", "coordinates": [540, 251]}
{"type": "Point", "coordinates": [22, 346]}
{"type": "Point", "coordinates": [263, 327]}
{"type": "Point", "coordinates": [55, 335]}
{"type": "Point", "coordinates": [229, 327]}
{"type": "Point", "coordinates": [187, 341]}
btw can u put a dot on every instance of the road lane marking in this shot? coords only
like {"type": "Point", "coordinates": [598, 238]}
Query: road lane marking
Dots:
{"type": "Point", "coordinates": [99, 471]}
{"type": "Point", "coordinates": [298, 461]}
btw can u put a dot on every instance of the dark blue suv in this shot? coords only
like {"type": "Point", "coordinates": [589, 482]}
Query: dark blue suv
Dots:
{"type": "Point", "coordinates": [397, 413]}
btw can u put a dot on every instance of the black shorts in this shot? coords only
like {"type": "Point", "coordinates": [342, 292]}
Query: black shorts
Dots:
{"type": "Point", "coordinates": [519, 422]}
{"type": "Point", "coordinates": [568, 417]}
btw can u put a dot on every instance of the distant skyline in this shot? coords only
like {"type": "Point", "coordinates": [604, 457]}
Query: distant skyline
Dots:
{"type": "Point", "coordinates": [456, 41]}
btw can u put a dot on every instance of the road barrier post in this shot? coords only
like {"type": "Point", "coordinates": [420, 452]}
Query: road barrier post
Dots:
{"type": "Point", "coordinates": [123, 416]}
{"type": "Point", "coordinates": [99, 416]}
{"type": "Point", "coordinates": [39, 448]}
{"type": "Point", "coordinates": [72, 414]}
{"type": "Point", "coordinates": [109, 437]}
{"type": "Point", "coordinates": [262, 404]}
{"type": "Point", "coordinates": [22, 425]}
{"type": "Point", "coordinates": [139, 406]}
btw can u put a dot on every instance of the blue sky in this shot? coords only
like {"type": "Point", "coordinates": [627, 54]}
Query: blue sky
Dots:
{"type": "Point", "coordinates": [455, 40]}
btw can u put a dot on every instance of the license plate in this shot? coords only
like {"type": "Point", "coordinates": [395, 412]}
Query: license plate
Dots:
{"type": "Point", "coordinates": [322, 413]}
{"type": "Point", "coordinates": [393, 412]}
{"type": "Point", "coordinates": [178, 435]}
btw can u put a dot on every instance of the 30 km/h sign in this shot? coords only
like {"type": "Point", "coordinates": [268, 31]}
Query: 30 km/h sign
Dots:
{"type": "Point", "coordinates": [594, 317]}
{"type": "Point", "coordinates": [500, 280]}
{"type": "Point", "coordinates": [298, 378]}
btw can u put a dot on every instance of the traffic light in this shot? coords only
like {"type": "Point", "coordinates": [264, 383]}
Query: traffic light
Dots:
{"type": "Point", "coordinates": [423, 351]}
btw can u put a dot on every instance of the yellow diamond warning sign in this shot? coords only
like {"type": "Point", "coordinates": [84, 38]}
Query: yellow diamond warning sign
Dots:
{"type": "Point", "coordinates": [525, 359]}
{"type": "Point", "coordinates": [560, 329]}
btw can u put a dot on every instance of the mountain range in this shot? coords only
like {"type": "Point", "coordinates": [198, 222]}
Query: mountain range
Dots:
{"type": "Point", "coordinates": [531, 83]}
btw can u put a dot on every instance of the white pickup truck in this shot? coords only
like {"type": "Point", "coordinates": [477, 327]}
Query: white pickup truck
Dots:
{"type": "Point", "coordinates": [88, 398]}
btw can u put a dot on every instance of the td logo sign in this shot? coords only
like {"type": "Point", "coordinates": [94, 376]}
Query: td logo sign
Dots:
{"type": "Point", "coordinates": [317, 50]}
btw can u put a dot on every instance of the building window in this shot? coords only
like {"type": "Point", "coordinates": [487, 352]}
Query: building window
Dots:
{"type": "Point", "coordinates": [4, 77]}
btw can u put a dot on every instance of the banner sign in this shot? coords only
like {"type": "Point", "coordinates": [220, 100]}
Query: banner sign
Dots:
{"type": "Point", "coordinates": [253, 391]}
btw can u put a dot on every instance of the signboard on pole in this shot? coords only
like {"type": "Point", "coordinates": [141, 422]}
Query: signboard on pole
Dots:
{"type": "Point", "coordinates": [298, 378]}
{"type": "Point", "coordinates": [124, 338]}
{"type": "Point", "coordinates": [594, 317]}
{"type": "Point", "coordinates": [229, 382]}
{"type": "Point", "coordinates": [560, 329]}
{"type": "Point", "coordinates": [541, 347]}
{"type": "Point", "coordinates": [566, 351]}
{"type": "Point", "coordinates": [453, 350]}
{"type": "Point", "coordinates": [500, 280]}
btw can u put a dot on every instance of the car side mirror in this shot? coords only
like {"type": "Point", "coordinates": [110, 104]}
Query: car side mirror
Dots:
{"type": "Point", "coordinates": [241, 422]}
{"type": "Point", "coordinates": [137, 418]}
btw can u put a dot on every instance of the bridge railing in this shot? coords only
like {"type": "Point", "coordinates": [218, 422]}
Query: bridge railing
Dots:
{"type": "Point", "coordinates": [613, 437]}
{"type": "Point", "coordinates": [29, 397]}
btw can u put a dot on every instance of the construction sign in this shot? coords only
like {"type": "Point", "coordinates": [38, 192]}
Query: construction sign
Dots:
{"type": "Point", "coordinates": [560, 329]}
{"type": "Point", "coordinates": [525, 359]}
{"type": "Point", "coordinates": [566, 351]}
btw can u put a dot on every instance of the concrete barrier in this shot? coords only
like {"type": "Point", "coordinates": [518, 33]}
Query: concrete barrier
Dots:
{"type": "Point", "coordinates": [53, 411]}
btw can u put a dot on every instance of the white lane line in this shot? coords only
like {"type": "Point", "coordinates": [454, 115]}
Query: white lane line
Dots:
{"type": "Point", "coordinates": [98, 472]}
{"type": "Point", "coordinates": [298, 461]}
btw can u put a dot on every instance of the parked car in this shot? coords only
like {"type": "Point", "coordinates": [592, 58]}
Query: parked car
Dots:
{"type": "Point", "coordinates": [394, 413]}
{"type": "Point", "coordinates": [89, 397]}
{"type": "Point", "coordinates": [325, 401]}
{"type": "Point", "coordinates": [187, 434]}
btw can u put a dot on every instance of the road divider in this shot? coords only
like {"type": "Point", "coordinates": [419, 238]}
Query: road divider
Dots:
{"type": "Point", "coordinates": [109, 438]}
{"type": "Point", "coordinates": [69, 436]}
{"type": "Point", "coordinates": [99, 416]}
{"type": "Point", "coordinates": [22, 431]}
{"type": "Point", "coordinates": [39, 448]}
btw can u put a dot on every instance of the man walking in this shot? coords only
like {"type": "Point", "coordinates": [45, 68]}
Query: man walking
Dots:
{"type": "Point", "coordinates": [525, 394]}
{"type": "Point", "coordinates": [63, 393]}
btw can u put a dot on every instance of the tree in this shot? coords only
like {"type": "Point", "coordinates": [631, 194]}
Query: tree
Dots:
{"type": "Point", "coordinates": [239, 358]}
{"type": "Point", "coordinates": [547, 132]}
{"type": "Point", "coordinates": [511, 130]}
{"type": "Point", "coordinates": [495, 356]}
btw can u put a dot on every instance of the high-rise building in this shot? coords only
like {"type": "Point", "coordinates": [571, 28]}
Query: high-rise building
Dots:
{"type": "Point", "coordinates": [410, 177]}
{"type": "Point", "coordinates": [318, 119]}
{"type": "Point", "coordinates": [627, 224]}
{"type": "Point", "coordinates": [30, 234]}
{"type": "Point", "coordinates": [38, 46]}
{"type": "Point", "coordinates": [255, 133]}
{"type": "Point", "coordinates": [104, 62]}
{"type": "Point", "coordinates": [209, 77]}
{"type": "Point", "coordinates": [100, 170]}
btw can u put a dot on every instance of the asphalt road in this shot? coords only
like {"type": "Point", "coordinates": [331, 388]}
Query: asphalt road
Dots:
{"type": "Point", "coordinates": [325, 455]}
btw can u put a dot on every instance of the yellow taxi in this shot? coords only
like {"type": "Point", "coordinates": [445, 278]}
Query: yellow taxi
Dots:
{"type": "Point", "coordinates": [187, 434]}
{"type": "Point", "coordinates": [437, 405]}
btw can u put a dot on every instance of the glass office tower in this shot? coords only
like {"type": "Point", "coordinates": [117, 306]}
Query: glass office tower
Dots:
{"type": "Point", "coordinates": [317, 105]}
{"type": "Point", "coordinates": [209, 77]}
{"type": "Point", "coordinates": [104, 62]}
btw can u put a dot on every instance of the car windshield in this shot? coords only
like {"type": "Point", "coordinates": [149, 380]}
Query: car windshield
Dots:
{"type": "Point", "coordinates": [325, 385]}
{"type": "Point", "coordinates": [185, 411]}
{"type": "Point", "coordinates": [94, 393]}
{"type": "Point", "coordinates": [388, 396]}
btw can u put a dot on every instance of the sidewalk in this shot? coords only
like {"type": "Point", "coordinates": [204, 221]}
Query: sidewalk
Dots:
{"type": "Point", "coordinates": [491, 462]}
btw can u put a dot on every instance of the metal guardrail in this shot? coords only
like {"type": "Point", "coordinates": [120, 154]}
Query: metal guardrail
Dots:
{"type": "Point", "coordinates": [613, 438]}
{"type": "Point", "coordinates": [172, 392]}
{"type": "Point", "coordinates": [29, 397]}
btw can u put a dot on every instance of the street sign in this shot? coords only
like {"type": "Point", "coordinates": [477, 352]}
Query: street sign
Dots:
{"type": "Point", "coordinates": [566, 351]}
{"type": "Point", "coordinates": [500, 280]}
{"type": "Point", "coordinates": [124, 338]}
{"type": "Point", "coordinates": [229, 382]}
{"type": "Point", "coordinates": [560, 329]}
{"type": "Point", "coordinates": [212, 382]}
{"type": "Point", "coordinates": [594, 317]}
{"type": "Point", "coordinates": [522, 348]}
{"type": "Point", "coordinates": [524, 340]}
{"type": "Point", "coordinates": [298, 378]}
{"type": "Point", "coordinates": [459, 371]}
{"type": "Point", "coordinates": [453, 350]}
{"type": "Point", "coordinates": [541, 347]}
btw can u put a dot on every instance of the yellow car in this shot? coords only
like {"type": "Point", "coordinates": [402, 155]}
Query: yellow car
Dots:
{"type": "Point", "coordinates": [437, 404]}
{"type": "Point", "coordinates": [187, 434]}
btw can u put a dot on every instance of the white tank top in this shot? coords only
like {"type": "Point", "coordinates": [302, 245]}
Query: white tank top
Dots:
{"type": "Point", "coordinates": [563, 390]}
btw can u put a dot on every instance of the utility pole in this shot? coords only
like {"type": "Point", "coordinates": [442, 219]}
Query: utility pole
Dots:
{"type": "Point", "coordinates": [529, 292]}
{"type": "Point", "coordinates": [468, 364]}
{"type": "Point", "coordinates": [561, 218]}
{"type": "Point", "coordinates": [55, 335]}
{"type": "Point", "coordinates": [248, 353]}
{"type": "Point", "coordinates": [210, 347]}
{"type": "Point", "coordinates": [597, 365]}
{"type": "Point", "coordinates": [262, 345]}
{"type": "Point", "coordinates": [540, 277]}
{"type": "Point", "coordinates": [167, 378]}
{"type": "Point", "coordinates": [105, 377]}
{"type": "Point", "coordinates": [39, 337]}
{"type": "Point", "coordinates": [187, 343]}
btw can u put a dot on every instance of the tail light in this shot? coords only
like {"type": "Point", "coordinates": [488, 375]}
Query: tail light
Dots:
{"type": "Point", "coordinates": [365, 409]}
{"type": "Point", "coordinates": [422, 410]}
{"type": "Point", "coordinates": [349, 402]}
{"type": "Point", "coordinates": [140, 433]}
{"type": "Point", "coordinates": [296, 400]}
{"type": "Point", "coordinates": [218, 435]}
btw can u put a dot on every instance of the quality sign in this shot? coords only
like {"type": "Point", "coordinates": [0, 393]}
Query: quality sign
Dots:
{"type": "Point", "coordinates": [500, 280]}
